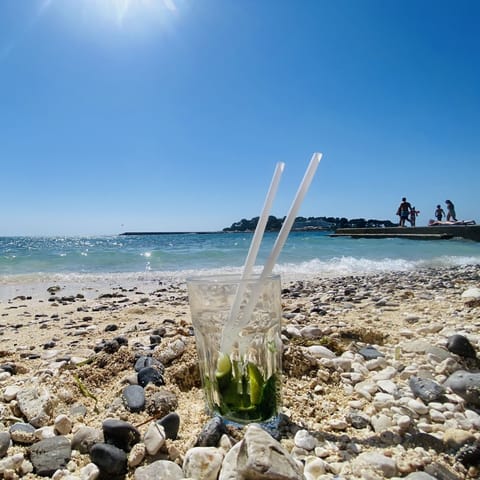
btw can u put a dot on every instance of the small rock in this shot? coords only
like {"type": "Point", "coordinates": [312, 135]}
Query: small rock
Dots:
{"type": "Point", "coordinates": [150, 375]}
{"type": "Point", "coordinates": [50, 455]}
{"type": "Point", "coordinates": [171, 425]}
{"type": "Point", "coordinates": [110, 460]}
{"type": "Point", "coordinates": [134, 398]}
{"type": "Point", "coordinates": [154, 438]}
{"type": "Point", "coordinates": [119, 433]}
{"type": "Point", "coordinates": [460, 345]}
{"type": "Point", "coordinates": [426, 389]}
{"type": "Point", "coordinates": [159, 470]}
{"type": "Point", "coordinates": [211, 433]}
{"type": "Point", "coordinates": [85, 437]}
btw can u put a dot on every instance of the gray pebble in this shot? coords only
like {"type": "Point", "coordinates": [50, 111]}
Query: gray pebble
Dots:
{"type": "Point", "coordinates": [50, 455]}
{"type": "Point", "coordinates": [134, 398]}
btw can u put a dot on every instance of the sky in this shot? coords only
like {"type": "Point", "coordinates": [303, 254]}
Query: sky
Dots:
{"type": "Point", "coordinates": [170, 115]}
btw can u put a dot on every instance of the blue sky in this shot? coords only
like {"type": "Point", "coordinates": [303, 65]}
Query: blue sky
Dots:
{"type": "Point", "coordinates": [170, 115]}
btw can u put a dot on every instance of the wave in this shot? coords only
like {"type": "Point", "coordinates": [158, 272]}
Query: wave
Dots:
{"type": "Point", "coordinates": [334, 267]}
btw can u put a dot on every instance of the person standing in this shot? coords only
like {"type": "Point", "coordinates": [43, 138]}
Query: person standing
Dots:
{"type": "Point", "coordinates": [413, 215]}
{"type": "Point", "coordinates": [439, 213]}
{"type": "Point", "coordinates": [403, 211]}
{"type": "Point", "coordinates": [451, 215]}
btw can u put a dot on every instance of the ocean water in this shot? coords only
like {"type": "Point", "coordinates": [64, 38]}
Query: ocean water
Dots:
{"type": "Point", "coordinates": [176, 256]}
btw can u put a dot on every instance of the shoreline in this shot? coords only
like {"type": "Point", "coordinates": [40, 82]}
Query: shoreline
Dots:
{"type": "Point", "coordinates": [398, 313]}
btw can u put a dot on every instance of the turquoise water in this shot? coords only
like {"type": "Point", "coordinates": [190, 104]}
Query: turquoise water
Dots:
{"type": "Point", "coordinates": [180, 255]}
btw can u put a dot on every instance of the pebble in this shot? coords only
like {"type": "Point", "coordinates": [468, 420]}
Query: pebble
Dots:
{"type": "Point", "coordinates": [150, 375]}
{"type": "Point", "coordinates": [85, 437]}
{"type": "Point", "coordinates": [154, 438]}
{"type": "Point", "coordinates": [110, 460]}
{"type": "Point", "coordinates": [134, 398]}
{"type": "Point", "coordinates": [159, 470]}
{"type": "Point", "coordinates": [460, 345]}
{"type": "Point", "coordinates": [5, 442]}
{"type": "Point", "coordinates": [171, 425]}
{"type": "Point", "coordinates": [426, 389]}
{"type": "Point", "coordinates": [120, 433]}
{"type": "Point", "coordinates": [211, 433]}
{"type": "Point", "coordinates": [466, 385]}
{"type": "Point", "coordinates": [203, 462]}
{"type": "Point", "coordinates": [50, 455]}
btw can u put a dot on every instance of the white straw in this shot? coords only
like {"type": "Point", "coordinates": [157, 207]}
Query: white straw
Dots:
{"type": "Point", "coordinates": [277, 247]}
{"type": "Point", "coordinates": [254, 247]}
{"type": "Point", "coordinates": [287, 224]}
{"type": "Point", "coordinates": [262, 222]}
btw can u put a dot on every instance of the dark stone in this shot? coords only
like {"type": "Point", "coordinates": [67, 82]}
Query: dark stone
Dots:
{"type": "Point", "coordinates": [369, 353]}
{"type": "Point", "coordinates": [49, 455]}
{"type": "Point", "coordinates": [426, 389]}
{"type": "Point", "coordinates": [150, 375]}
{"type": "Point", "coordinates": [48, 345]}
{"type": "Point", "coordinates": [171, 425]}
{"type": "Point", "coordinates": [111, 346]}
{"type": "Point", "coordinates": [144, 361]}
{"type": "Point", "coordinates": [134, 398]}
{"type": "Point", "coordinates": [5, 442]}
{"type": "Point", "coordinates": [469, 455]}
{"type": "Point", "coordinates": [121, 434]}
{"type": "Point", "coordinates": [461, 345]}
{"type": "Point", "coordinates": [11, 368]}
{"type": "Point", "coordinates": [155, 339]}
{"type": "Point", "coordinates": [424, 440]}
{"type": "Point", "coordinates": [357, 420]}
{"type": "Point", "coordinates": [122, 340]}
{"type": "Point", "coordinates": [111, 327]}
{"type": "Point", "coordinates": [110, 460]}
{"type": "Point", "coordinates": [211, 433]}
{"type": "Point", "coordinates": [466, 385]}
{"type": "Point", "coordinates": [159, 331]}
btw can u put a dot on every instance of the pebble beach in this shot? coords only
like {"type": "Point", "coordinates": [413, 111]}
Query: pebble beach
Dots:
{"type": "Point", "coordinates": [380, 380]}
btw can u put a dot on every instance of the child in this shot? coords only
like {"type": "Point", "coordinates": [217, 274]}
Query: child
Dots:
{"type": "Point", "coordinates": [413, 215]}
{"type": "Point", "coordinates": [439, 213]}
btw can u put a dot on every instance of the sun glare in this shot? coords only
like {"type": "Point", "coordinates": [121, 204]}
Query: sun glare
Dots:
{"type": "Point", "coordinates": [121, 11]}
{"type": "Point", "coordinates": [122, 14]}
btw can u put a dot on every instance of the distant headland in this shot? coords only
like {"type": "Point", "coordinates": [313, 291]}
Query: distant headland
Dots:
{"type": "Point", "coordinates": [309, 223]}
{"type": "Point", "coordinates": [301, 224]}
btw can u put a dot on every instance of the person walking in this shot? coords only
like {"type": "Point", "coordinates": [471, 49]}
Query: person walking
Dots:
{"type": "Point", "coordinates": [451, 215]}
{"type": "Point", "coordinates": [403, 211]}
{"type": "Point", "coordinates": [439, 213]}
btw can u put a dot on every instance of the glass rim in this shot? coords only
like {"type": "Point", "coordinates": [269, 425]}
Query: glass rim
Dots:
{"type": "Point", "coordinates": [229, 278]}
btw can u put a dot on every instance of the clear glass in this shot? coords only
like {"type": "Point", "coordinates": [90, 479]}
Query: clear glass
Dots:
{"type": "Point", "coordinates": [243, 384]}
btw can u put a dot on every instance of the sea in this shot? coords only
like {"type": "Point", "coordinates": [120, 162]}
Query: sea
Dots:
{"type": "Point", "coordinates": [35, 262]}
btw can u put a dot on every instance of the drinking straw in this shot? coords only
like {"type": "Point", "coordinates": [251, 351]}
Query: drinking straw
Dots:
{"type": "Point", "coordinates": [254, 246]}
{"type": "Point", "coordinates": [277, 247]}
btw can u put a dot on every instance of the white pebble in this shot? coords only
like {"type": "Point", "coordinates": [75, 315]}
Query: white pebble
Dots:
{"type": "Point", "coordinates": [314, 467]}
{"type": "Point", "coordinates": [154, 438]}
{"type": "Point", "coordinates": [303, 439]}
{"type": "Point", "coordinates": [63, 424]}
{"type": "Point", "coordinates": [417, 406]}
{"type": "Point", "coordinates": [89, 472]}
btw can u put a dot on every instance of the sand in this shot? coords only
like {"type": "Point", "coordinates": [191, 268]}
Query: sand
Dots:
{"type": "Point", "coordinates": [52, 338]}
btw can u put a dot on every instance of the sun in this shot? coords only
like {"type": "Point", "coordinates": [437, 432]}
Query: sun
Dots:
{"type": "Point", "coordinates": [124, 9]}
{"type": "Point", "coordinates": [119, 13]}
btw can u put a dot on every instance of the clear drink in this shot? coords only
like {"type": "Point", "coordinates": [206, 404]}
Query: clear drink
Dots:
{"type": "Point", "coordinates": [243, 384]}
